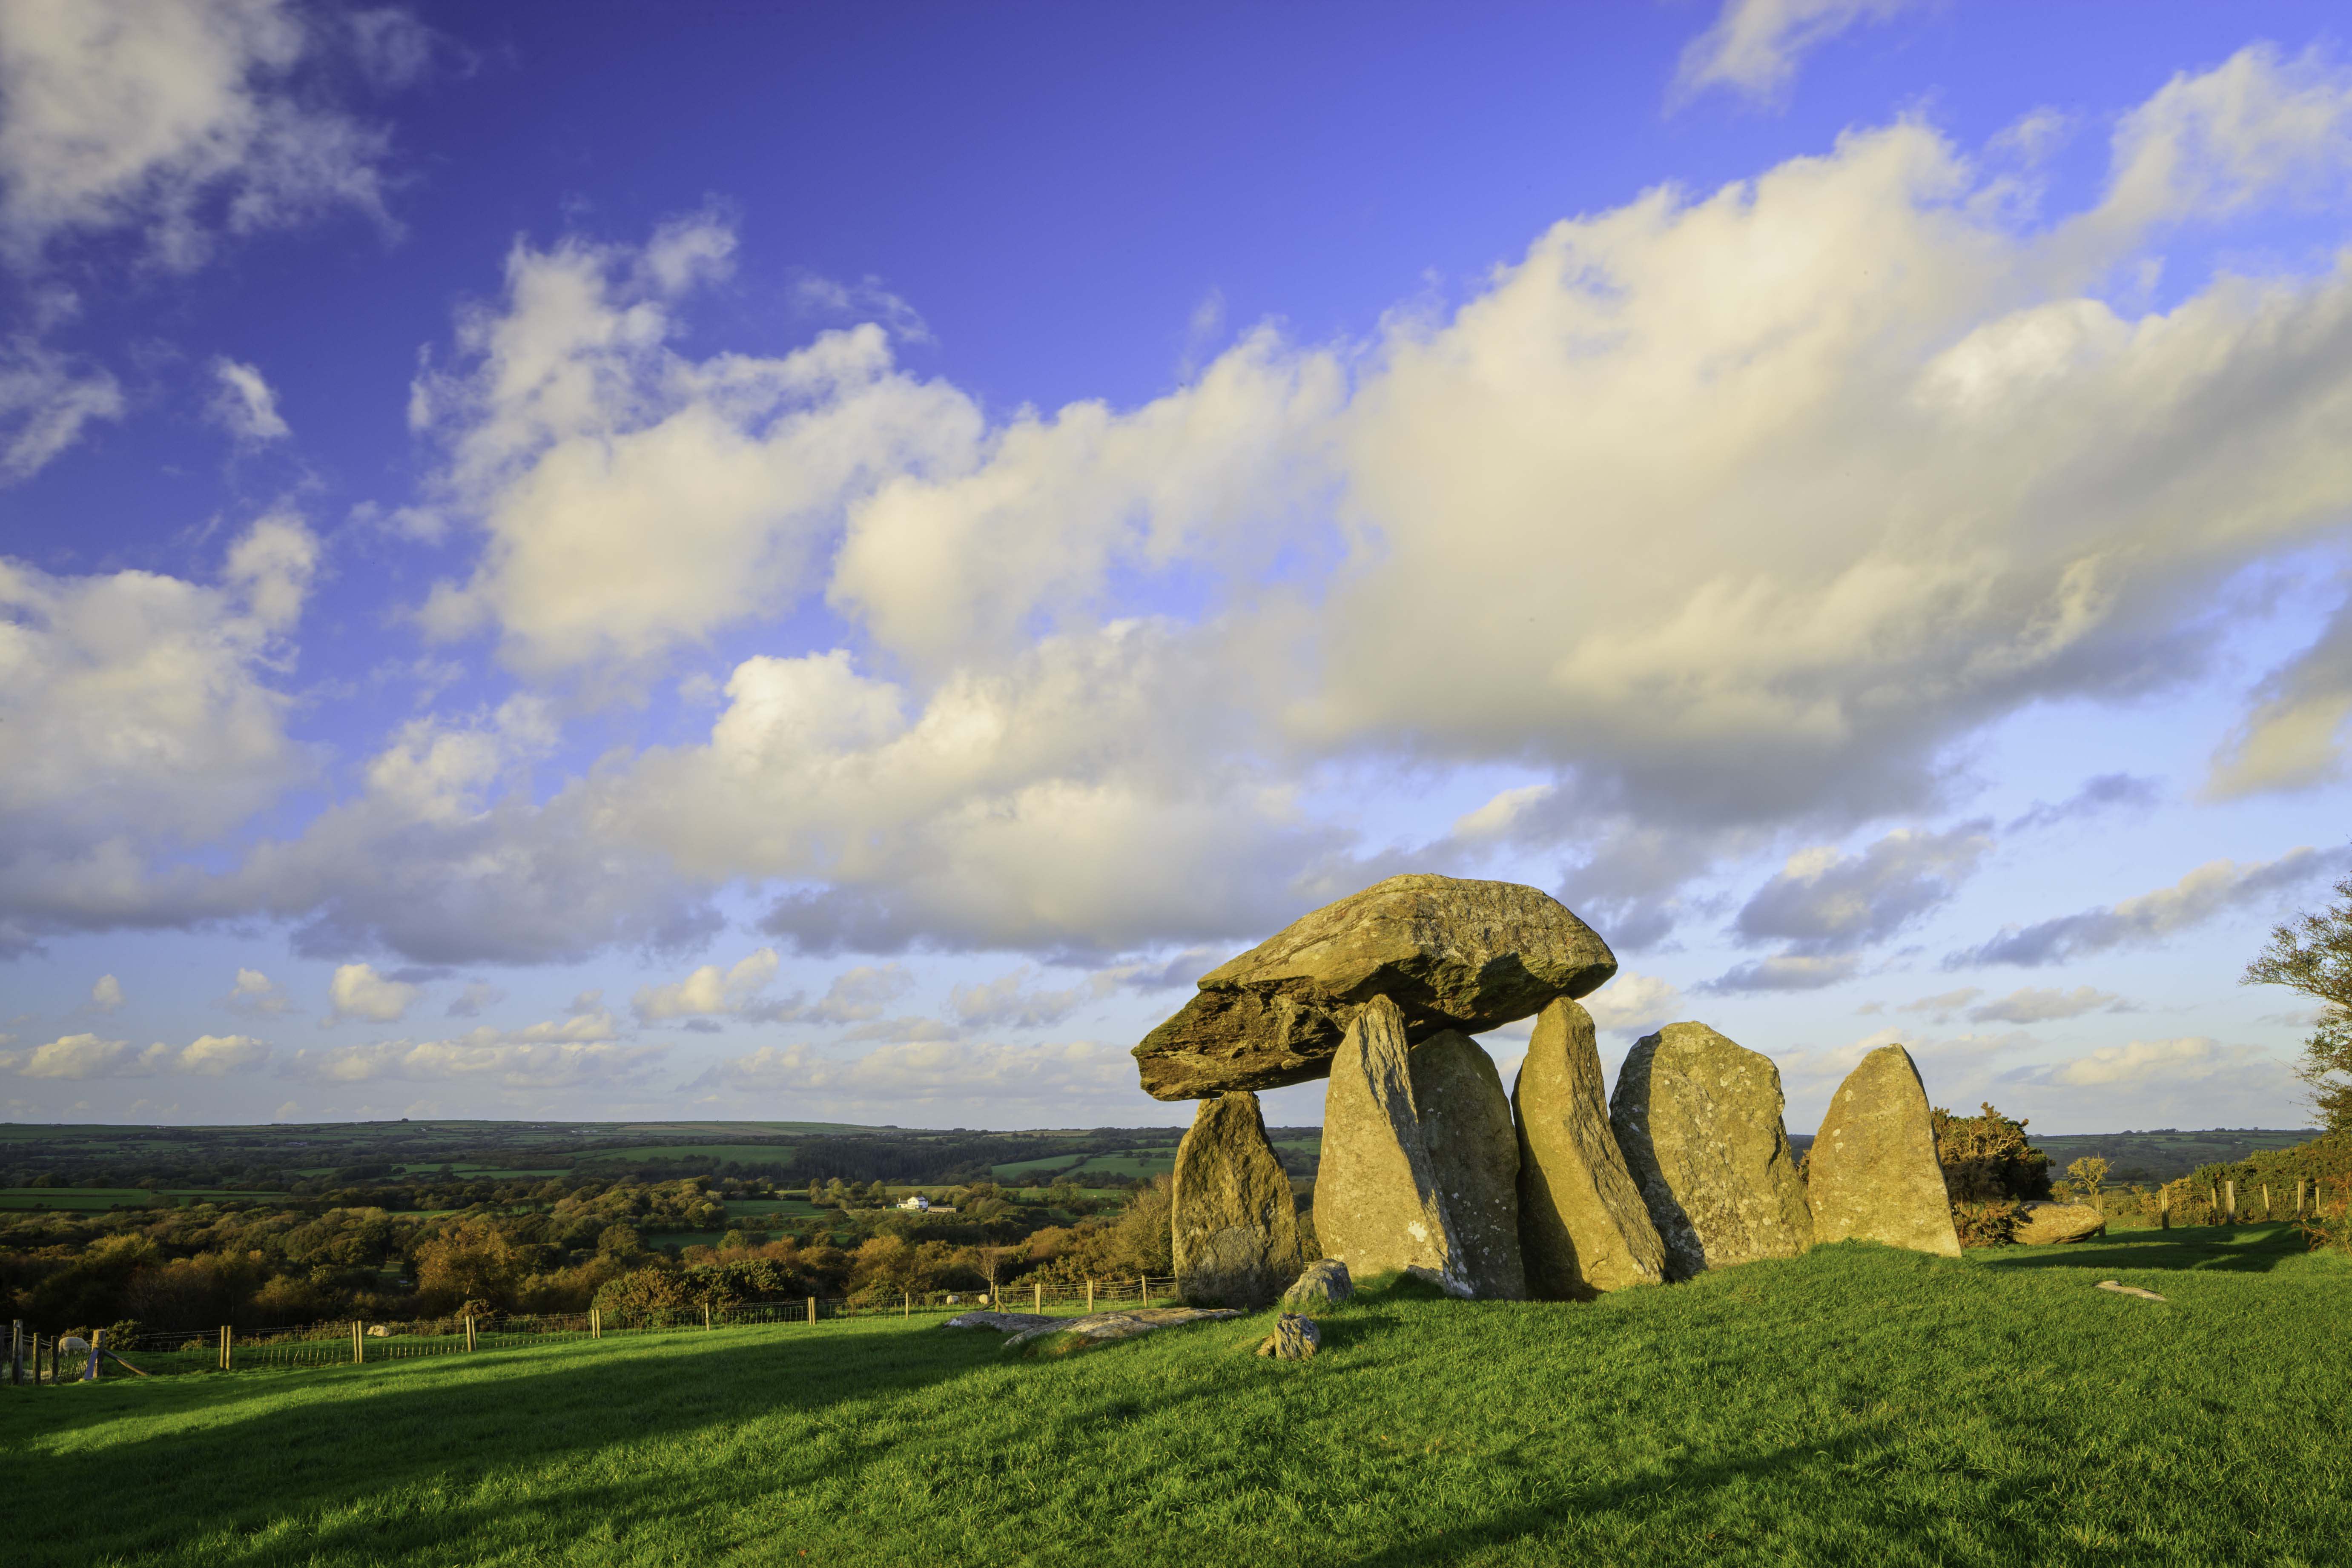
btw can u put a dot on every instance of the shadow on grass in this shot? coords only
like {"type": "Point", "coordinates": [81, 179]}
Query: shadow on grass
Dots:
{"type": "Point", "coordinates": [2239, 1249]}
{"type": "Point", "coordinates": [252, 1449]}
{"type": "Point", "coordinates": [1632, 1495]}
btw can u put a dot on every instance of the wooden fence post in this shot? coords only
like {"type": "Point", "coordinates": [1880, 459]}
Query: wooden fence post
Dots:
{"type": "Point", "coordinates": [469, 1331]}
{"type": "Point", "coordinates": [2266, 1200]}
{"type": "Point", "coordinates": [359, 1345]}
{"type": "Point", "coordinates": [906, 1306]}
{"type": "Point", "coordinates": [811, 1306]}
{"type": "Point", "coordinates": [1090, 1297]}
{"type": "Point", "coordinates": [1037, 1302]}
{"type": "Point", "coordinates": [16, 1351]}
{"type": "Point", "coordinates": [705, 1317]}
{"type": "Point", "coordinates": [2299, 1197]}
{"type": "Point", "coordinates": [97, 1348]}
{"type": "Point", "coordinates": [2230, 1200]}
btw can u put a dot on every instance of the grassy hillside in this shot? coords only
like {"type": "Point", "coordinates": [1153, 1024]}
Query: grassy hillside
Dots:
{"type": "Point", "coordinates": [1856, 1406]}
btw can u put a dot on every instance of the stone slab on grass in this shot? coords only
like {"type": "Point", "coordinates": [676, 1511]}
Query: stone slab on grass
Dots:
{"type": "Point", "coordinates": [1004, 1322]}
{"type": "Point", "coordinates": [1103, 1328]}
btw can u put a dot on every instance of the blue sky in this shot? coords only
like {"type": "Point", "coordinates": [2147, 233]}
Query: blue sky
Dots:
{"type": "Point", "coordinates": [821, 562]}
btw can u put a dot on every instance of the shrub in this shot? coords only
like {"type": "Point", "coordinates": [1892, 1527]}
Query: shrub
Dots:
{"type": "Point", "coordinates": [1988, 1224]}
{"type": "Point", "coordinates": [2329, 1229]}
{"type": "Point", "coordinates": [1986, 1158]}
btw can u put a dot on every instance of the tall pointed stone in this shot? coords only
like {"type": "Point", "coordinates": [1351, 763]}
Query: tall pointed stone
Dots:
{"type": "Point", "coordinates": [1465, 1123]}
{"type": "Point", "coordinates": [1873, 1174]}
{"type": "Point", "coordinates": [1699, 1120]}
{"type": "Point", "coordinates": [1376, 1203]}
{"type": "Point", "coordinates": [1235, 1222]}
{"type": "Point", "coordinates": [1583, 1228]}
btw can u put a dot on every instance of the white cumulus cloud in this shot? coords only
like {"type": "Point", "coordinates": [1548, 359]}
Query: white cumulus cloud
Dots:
{"type": "Point", "coordinates": [181, 120]}
{"type": "Point", "coordinates": [244, 404]}
{"type": "Point", "coordinates": [1755, 45]}
{"type": "Point", "coordinates": [357, 991]}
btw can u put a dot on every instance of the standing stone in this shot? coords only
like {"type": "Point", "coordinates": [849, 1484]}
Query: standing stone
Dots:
{"type": "Point", "coordinates": [1583, 1228]}
{"type": "Point", "coordinates": [1234, 1221]}
{"type": "Point", "coordinates": [1465, 1123]}
{"type": "Point", "coordinates": [1699, 1120]}
{"type": "Point", "coordinates": [1873, 1174]}
{"type": "Point", "coordinates": [1451, 954]}
{"type": "Point", "coordinates": [1376, 1202]}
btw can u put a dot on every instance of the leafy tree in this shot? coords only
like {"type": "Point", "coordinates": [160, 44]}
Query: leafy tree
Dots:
{"type": "Point", "coordinates": [2312, 955]}
{"type": "Point", "coordinates": [1986, 1158]}
{"type": "Point", "coordinates": [2089, 1172]}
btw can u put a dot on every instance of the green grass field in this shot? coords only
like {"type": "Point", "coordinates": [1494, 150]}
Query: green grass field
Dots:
{"type": "Point", "coordinates": [1856, 1406]}
{"type": "Point", "coordinates": [1141, 1163]}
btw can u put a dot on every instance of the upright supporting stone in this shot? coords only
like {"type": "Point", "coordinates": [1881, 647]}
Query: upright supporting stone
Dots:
{"type": "Point", "coordinates": [1233, 1220]}
{"type": "Point", "coordinates": [1699, 1120]}
{"type": "Point", "coordinates": [1873, 1174]}
{"type": "Point", "coordinates": [1583, 1228]}
{"type": "Point", "coordinates": [1465, 1124]}
{"type": "Point", "coordinates": [1376, 1205]}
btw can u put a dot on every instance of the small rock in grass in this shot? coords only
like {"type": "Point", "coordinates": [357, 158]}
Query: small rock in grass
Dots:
{"type": "Point", "coordinates": [1325, 1283]}
{"type": "Point", "coordinates": [2129, 1290]}
{"type": "Point", "coordinates": [1294, 1338]}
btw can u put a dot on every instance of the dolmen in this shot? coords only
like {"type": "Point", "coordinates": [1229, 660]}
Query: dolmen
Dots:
{"type": "Point", "coordinates": [1553, 1191]}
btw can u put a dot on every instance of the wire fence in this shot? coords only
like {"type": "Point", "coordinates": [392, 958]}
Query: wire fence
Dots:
{"type": "Point", "coordinates": [37, 1360]}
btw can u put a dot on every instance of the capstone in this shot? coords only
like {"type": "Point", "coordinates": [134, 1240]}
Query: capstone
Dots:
{"type": "Point", "coordinates": [1449, 953]}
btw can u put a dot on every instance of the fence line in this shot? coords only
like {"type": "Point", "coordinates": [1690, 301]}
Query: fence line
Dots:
{"type": "Point", "coordinates": [347, 1342]}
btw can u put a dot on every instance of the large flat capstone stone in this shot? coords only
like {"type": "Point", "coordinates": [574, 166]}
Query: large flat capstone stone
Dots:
{"type": "Point", "coordinates": [1449, 953]}
{"type": "Point", "coordinates": [1465, 1124]}
{"type": "Point", "coordinates": [1377, 1207]}
{"type": "Point", "coordinates": [1235, 1224]}
{"type": "Point", "coordinates": [1583, 1226]}
{"type": "Point", "coordinates": [1698, 1118]}
{"type": "Point", "coordinates": [1872, 1173]}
